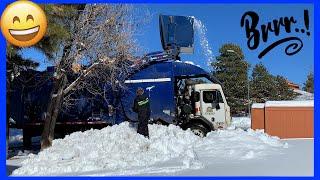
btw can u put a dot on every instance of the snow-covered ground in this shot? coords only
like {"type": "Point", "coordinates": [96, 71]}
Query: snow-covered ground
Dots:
{"type": "Point", "coordinates": [240, 122]}
{"type": "Point", "coordinates": [119, 150]}
{"type": "Point", "coordinates": [16, 144]}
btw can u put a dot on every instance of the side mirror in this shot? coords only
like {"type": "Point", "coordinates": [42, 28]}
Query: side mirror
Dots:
{"type": "Point", "coordinates": [196, 96]}
{"type": "Point", "coordinates": [217, 106]}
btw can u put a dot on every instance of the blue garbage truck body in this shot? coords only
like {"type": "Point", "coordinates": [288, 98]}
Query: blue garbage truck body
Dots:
{"type": "Point", "coordinates": [28, 103]}
{"type": "Point", "coordinates": [159, 79]}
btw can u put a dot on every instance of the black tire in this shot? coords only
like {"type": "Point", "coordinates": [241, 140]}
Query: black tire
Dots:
{"type": "Point", "coordinates": [198, 129]}
{"type": "Point", "coordinates": [160, 122]}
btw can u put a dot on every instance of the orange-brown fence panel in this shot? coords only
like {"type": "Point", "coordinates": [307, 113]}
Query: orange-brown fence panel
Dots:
{"type": "Point", "coordinates": [294, 121]}
{"type": "Point", "coordinates": [257, 116]}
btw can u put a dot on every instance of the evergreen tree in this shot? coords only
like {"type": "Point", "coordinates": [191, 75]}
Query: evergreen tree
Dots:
{"type": "Point", "coordinates": [60, 19]}
{"type": "Point", "coordinates": [265, 86]}
{"type": "Point", "coordinates": [262, 84]}
{"type": "Point", "coordinates": [308, 85]}
{"type": "Point", "coordinates": [58, 30]}
{"type": "Point", "coordinates": [232, 71]}
{"type": "Point", "coordinates": [283, 91]}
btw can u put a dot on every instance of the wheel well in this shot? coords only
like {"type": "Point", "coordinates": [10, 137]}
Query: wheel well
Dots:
{"type": "Point", "coordinates": [198, 121]}
{"type": "Point", "coordinates": [162, 122]}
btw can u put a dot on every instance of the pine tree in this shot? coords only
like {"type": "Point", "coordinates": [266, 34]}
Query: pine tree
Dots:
{"type": "Point", "coordinates": [262, 84]}
{"type": "Point", "coordinates": [265, 86]}
{"type": "Point", "coordinates": [59, 24]}
{"type": "Point", "coordinates": [308, 85]}
{"type": "Point", "coordinates": [283, 91]}
{"type": "Point", "coordinates": [232, 71]}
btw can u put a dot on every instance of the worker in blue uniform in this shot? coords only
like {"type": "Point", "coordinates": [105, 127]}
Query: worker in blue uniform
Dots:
{"type": "Point", "coordinates": [142, 107]}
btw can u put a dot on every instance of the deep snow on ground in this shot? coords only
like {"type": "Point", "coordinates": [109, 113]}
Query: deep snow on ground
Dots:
{"type": "Point", "coordinates": [240, 122]}
{"type": "Point", "coordinates": [119, 150]}
{"type": "Point", "coordinates": [296, 160]}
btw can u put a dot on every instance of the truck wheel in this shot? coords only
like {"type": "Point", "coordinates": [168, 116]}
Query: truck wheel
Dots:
{"type": "Point", "coordinates": [160, 122]}
{"type": "Point", "coordinates": [199, 130]}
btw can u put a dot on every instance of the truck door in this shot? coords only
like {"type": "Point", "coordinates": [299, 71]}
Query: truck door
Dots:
{"type": "Point", "coordinates": [212, 106]}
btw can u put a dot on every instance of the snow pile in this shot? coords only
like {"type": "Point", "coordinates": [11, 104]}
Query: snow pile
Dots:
{"type": "Point", "coordinates": [240, 122]}
{"type": "Point", "coordinates": [112, 148]}
{"type": "Point", "coordinates": [239, 144]}
{"type": "Point", "coordinates": [119, 150]}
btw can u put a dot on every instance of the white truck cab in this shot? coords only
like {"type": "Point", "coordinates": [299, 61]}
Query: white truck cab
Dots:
{"type": "Point", "coordinates": [207, 110]}
{"type": "Point", "coordinates": [212, 105]}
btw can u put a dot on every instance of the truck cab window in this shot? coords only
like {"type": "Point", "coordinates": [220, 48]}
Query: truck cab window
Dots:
{"type": "Point", "coordinates": [209, 96]}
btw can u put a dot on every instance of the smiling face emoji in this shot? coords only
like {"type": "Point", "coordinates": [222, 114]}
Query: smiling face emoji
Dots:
{"type": "Point", "coordinates": [23, 23]}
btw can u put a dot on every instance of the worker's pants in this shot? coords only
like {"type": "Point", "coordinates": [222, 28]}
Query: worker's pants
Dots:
{"type": "Point", "coordinates": [143, 125]}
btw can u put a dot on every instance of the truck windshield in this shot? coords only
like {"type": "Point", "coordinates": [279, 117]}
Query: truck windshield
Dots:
{"type": "Point", "coordinates": [200, 80]}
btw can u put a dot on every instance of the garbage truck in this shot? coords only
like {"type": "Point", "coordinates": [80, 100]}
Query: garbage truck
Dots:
{"type": "Point", "coordinates": [180, 93]}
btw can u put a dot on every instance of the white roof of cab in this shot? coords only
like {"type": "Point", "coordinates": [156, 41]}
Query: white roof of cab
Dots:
{"type": "Point", "coordinates": [207, 86]}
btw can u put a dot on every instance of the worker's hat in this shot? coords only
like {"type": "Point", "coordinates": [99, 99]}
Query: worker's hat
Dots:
{"type": "Point", "coordinates": [140, 90]}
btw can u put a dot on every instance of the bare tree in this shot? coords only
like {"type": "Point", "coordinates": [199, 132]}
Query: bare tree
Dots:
{"type": "Point", "coordinates": [100, 51]}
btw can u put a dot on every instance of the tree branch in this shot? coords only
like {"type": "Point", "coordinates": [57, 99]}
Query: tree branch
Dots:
{"type": "Point", "coordinates": [85, 73]}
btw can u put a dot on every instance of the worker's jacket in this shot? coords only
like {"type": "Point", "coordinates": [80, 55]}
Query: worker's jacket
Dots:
{"type": "Point", "coordinates": [142, 107]}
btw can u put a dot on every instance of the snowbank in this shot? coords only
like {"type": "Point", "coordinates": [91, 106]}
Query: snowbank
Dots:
{"type": "Point", "coordinates": [240, 122]}
{"type": "Point", "coordinates": [119, 150]}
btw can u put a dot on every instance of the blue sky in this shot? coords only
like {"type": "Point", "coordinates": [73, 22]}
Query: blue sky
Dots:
{"type": "Point", "coordinates": [222, 22]}
{"type": "Point", "coordinates": [223, 26]}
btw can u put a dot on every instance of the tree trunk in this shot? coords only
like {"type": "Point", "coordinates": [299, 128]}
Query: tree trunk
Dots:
{"type": "Point", "coordinates": [55, 104]}
{"type": "Point", "coordinates": [57, 94]}
{"type": "Point", "coordinates": [53, 111]}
